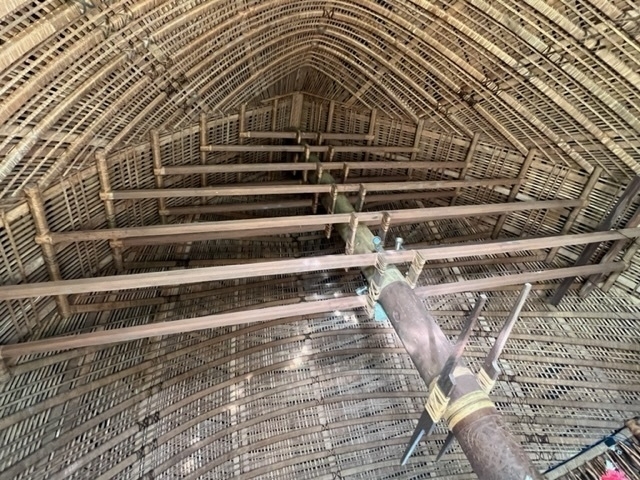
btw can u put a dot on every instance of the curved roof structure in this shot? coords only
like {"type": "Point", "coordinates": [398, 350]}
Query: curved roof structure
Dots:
{"type": "Point", "coordinates": [504, 103]}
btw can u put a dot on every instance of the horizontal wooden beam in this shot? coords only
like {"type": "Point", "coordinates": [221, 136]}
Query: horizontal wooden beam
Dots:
{"type": "Point", "coordinates": [301, 265]}
{"type": "Point", "coordinates": [302, 166]}
{"type": "Point", "coordinates": [398, 217]}
{"type": "Point", "coordinates": [311, 148]}
{"type": "Point", "coordinates": [179, 326]}
{"type": "Point", "coordinates": [214, 262]}
{"type": "Point", "coordinates": [241, 190]}
{"type": "Point", "coordinates": [308, 135]}
{"type": "Point", "coordinates": [106, 337]}
{"type": "Point", "coordinates": [286, 204]}
{"type": "Point", "coordinates": [492, 283]}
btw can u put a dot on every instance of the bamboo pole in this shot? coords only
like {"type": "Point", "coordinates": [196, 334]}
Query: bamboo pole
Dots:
{"type": "Point", "coordinates": [514, 190]}
{"type": "Point", "coordinates": [468, 161]}
{"type": "Point", "coordinates": [372, 200]}
{"type": "Point", "coordinates": [301, 148]}
{"type": "Point", "coordinates": [306, 135]}
{"type": "Point", "coordinates": [301, 167]}
{"type": "Point", "coordinates": [399, 217]}
{"type": "Point", "coordinates": [118, 335]}
{"type": "Point", "coordinates": [157, 166]}
{"type": "Point", "coordinates": [284, 267]}
{"type": "Point", "coordinates": [617, 247]}
{"type": "Point", "coordinates": [203, 135]}
{"type": "Point", "coordinates": [417, 137]}
{"type": "Point", "coordinates": [240, 190]}
{"type": "Point", "coordinates": [242, 126]}
{"type": "Point", "coordinates": [571, 219]}
{"type": "Point", "coordinates": [36, 205]}
{"type": "Point", "coordinates": [105, 186]}
{"type": "Point", "coordinates": [372, 130]}
{"type": "Point", "coordinates": [620, 207]}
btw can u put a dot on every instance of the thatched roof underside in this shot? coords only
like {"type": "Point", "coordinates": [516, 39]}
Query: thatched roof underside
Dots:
{"type": "Point", "coordinates": [541, 96]}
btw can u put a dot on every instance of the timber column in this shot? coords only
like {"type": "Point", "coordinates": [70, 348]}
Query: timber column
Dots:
{"type": "Point", "coordinates": [492, 450]}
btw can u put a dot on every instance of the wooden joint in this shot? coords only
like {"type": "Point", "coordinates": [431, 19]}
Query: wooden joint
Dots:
{"type": "Point", "coordinates": [44, 239]}
{"type": "Point", "coordinates": [319, 172]}
{"type": "Point", "coordinates": [331, 152]}
{"type": "Point", "coordinates": [106, 196]}
{"type": "Point", "coordinates": [345, 172]}
{"type": "Point", "coordinates": [353, 226]}
{"type": "Point", "coordinates": [384, 227]}
{"type": "Point", "coordinates": [362, 193]}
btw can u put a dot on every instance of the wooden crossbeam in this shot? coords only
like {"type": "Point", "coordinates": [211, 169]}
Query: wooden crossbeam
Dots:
{"type": "Point", "coordinates": [287, 204]}
{"type": "Point", "coordinates": [399, 217]}
{"type": "Point", "coordinates": [118, 335]}
{"type": "Point", "coordinates": [301, 148]}
{"type": "Point", "coordinates": [284, 267]}
{"type": "Point", "coordinates": [241, 190]}
{"type": "Point", "coordinates": [307, 135]}
{"type": "Point", "coordinates": [301, 167]}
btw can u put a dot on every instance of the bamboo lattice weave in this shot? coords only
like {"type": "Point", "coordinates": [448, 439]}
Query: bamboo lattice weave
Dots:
{"type": "Point", "coordinates": [438, 113]}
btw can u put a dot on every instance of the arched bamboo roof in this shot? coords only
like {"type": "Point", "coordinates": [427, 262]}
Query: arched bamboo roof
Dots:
{"type": "Point", "coordinates": [533, 101]}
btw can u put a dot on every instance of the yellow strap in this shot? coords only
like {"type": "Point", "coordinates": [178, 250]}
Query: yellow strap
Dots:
{"type": "Point", "coordinates": [436, 403]}
{"type": "Point", "coordinates": [466, 405]}
{"type": "Point", "coordinates": [485, 382]}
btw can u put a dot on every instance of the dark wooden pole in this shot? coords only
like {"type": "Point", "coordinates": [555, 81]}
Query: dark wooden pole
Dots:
{"type": "Point", "coordinates": [492, 450]}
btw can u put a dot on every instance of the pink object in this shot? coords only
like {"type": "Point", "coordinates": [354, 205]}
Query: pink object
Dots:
{"type": "Point", "coordinates": [614, 475]}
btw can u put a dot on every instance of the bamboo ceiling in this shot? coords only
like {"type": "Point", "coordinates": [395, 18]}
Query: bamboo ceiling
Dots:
{"type": "Point", "coordinates": [466, 121]}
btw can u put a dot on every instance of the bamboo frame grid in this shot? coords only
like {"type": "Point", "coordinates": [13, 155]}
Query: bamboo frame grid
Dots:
{"type": "Point", "coordinates": [559, 80]}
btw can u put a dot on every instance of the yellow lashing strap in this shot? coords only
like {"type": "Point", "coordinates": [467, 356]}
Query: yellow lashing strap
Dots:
{"type": "Point", "coordinates": [465, 406]}
{"type": "Point", "coordinates": [485, 382]}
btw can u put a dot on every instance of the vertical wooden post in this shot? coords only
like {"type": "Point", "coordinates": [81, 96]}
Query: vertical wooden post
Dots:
{"type": "Point", "coordinates": [416, 144]}
{"type": "Point", "coordinates": [332, 108]}
{"type": "Point", "coordinates": [204, 140]}
{"type": "Point", "coordinates": [109, 207]}
{"type": "Point", "coordinates": [36, 205]}
{"type": "Point", "coordinates": [586, 191]}
{"type": "Point", "coordinates": [274, 125]}
{"type": "Point", "coordinates": [157, 167]}
{"type": "Point", "coordinates": [242, 127]}
{"type": "Point", "coordinates": [514, 190]}
{"type": "Point", "coordinates": [468, 161]}
{"type": "Point", "coordinates": [372, 130]}
{"type": "Point", "coordinates": [296, 110]}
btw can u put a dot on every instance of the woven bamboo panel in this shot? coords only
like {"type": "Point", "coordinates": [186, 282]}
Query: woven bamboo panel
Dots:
{"type": "Point", "coordinates": [324, 396]}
